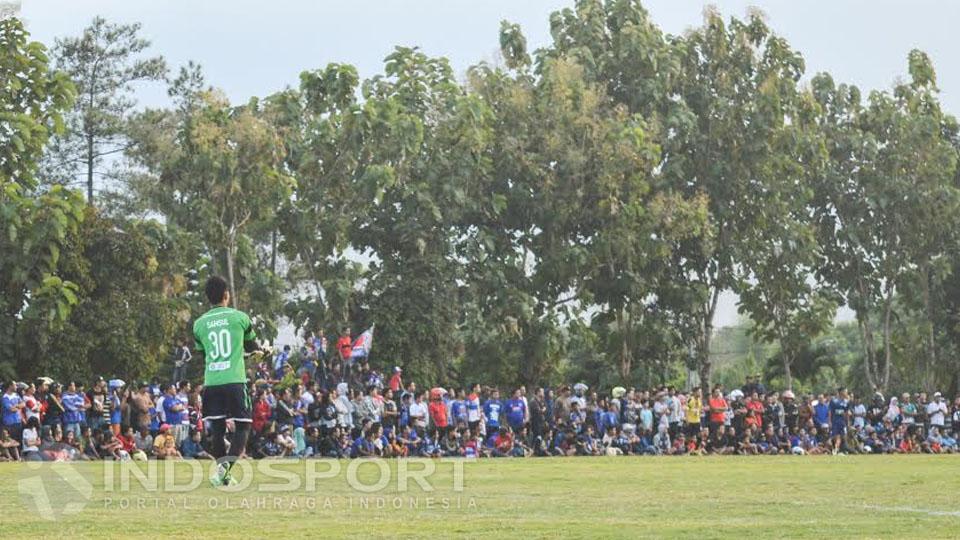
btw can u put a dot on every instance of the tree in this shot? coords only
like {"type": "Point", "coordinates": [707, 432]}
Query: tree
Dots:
{"type": "Point", "coordinates": [720, 96]}
{"type": "Point", "coordinates": [132, 303]}
{"type": "Point", "coordinates": [215, 171]}
{"type": "Point", "coordinates": [782, 256]}
{"type": "Point", "coordinates": [738, 84]}
{"type": "Point", "coordinates": [324, 126]}
{"type": "Point", "coordinates": [580, 227]}
{"type": "Point", "coordinates": [106, 63]}
{"type": "Point", "coordinates": [887, 203]}
{"type": "Point", "coordinates": [33, 227]}
{"type": "Point", "coordinates": [427, 142]}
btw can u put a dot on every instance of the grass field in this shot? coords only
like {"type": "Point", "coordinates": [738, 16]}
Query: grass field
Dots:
{"type": "Point", "coordinates": [716, 497]}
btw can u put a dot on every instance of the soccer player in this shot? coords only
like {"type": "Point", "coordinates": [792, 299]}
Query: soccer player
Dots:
{"type": "Point", "coordinates": [223, 334]}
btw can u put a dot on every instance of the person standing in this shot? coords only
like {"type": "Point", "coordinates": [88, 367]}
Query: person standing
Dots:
{"type": "Point", "coordinates": [174, 412]}
{"type": "Point", "coordinates": [73, 406]}
{"type": "Point", "coordinates": [12, 410]}
{"type": "Point", "coordinates": [538, 414]}
{"type": "Point", "coordinates": [694, 409]}
{"type": "Point", "coordinates": [222, 334]}
{"type": "Point", "coordinates": [344, 352]}
{"type": "Point", "coordinates": [396, 381]}
{"type": "Point", "coordinates": [937, 412]}
{"type": "Point", "coordinates": [718, 410]}
{"type": "Point", "coordinates": [181, 357]}
{"type": "Point", "coordinates": [516, 410]}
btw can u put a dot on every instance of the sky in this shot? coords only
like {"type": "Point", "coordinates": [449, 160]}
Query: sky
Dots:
{"type": "Point", "coordinates": [256, 48]}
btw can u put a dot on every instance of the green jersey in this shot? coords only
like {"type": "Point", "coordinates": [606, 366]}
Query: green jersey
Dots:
{"type": "Point", "coordinates": [220, 334]}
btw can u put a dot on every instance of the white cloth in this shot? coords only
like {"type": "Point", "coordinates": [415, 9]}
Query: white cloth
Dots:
{"type": "Point", "coordinates": [937, 413]}
{"type": "Point", "coordinates": [30, 434]}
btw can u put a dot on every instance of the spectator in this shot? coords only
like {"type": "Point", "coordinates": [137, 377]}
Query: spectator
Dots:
{"type": "Point", "coordinates": [693, 413]}
{"type": "Point", "coordinates": [181, 357]}
{"type": "Point", "coordinates": [173, 412]}
{"type": "Point", "coordinates": [13, 406]}
{"type": "Point", "coordinates": [474, 412]}
{"type": "Point", "coordinates": [164, 445]}
{"type": "Point", "coordinates": [419, 413]}
{"type": "Point", "coordinates": [396, 380]}
{"type": "Point", "coordinates": [438, 411]}
{"type": "Point", "coordinates": [192, 449]}
{"type": "Point", "coordinates": [937, 412]}
{"type": "Point", "coordinates": [516, 411]}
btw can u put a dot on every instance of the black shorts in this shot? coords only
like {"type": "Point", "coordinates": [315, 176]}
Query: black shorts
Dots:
{"type": "Point", "coordinates": [227, 402]}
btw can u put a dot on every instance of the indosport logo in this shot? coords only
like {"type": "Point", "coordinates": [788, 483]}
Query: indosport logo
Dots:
{"type": "Point", "coordinates": [53, 490]}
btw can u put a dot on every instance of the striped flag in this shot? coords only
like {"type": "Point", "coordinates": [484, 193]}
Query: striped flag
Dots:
{"type": "Point", "coordinates": [361, 347]}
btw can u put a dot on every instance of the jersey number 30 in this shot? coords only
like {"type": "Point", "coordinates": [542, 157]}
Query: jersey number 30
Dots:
{"type": "Point", "coordinates": [220, 343]}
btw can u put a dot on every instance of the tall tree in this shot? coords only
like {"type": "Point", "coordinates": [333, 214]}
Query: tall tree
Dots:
{"type": "Point", "coordinates": [718, 95]}
{"type": "Point", "coordinates": [132, 303]}
{"type": "Point", "coordinates": [324, 127]}
{"type": "Point", "coordinates": [782, 256]}
{"type": "Point", "coordinates": [106, 63]}
{"type": "Point", "coordinates": [33, 227]}
{"type": "Point", "coordinates": [738, 83]}
{"type": "Point", "coordinates": [215, 171]}
{"type": "Point", "coordinates": [887, 202]}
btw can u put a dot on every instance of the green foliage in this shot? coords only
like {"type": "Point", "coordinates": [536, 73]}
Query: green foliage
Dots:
{"type": "Point", "coordinates": [129, 308]}
{"type": "Point", "coordinates": [105, 63]}
{"type": "Point", "coordinates": [575, 213]}
{"type": "Point", "coordinates": [215, 172]}
{"type": "Point", "coordinates": [34, 226]}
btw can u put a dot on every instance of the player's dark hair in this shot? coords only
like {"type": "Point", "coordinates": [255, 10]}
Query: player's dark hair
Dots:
{"type": "Point", "coordinates": [216, 289]}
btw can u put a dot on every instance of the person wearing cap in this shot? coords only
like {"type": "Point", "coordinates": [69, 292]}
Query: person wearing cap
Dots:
{"type": "Point", "coordinates": [396, 380]}
{"type": "Point", "coordinates": [937, 412]}
{"type": "Point", "coordinates": [164, 445]}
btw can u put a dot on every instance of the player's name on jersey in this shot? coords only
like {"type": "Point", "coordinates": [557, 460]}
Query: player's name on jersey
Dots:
{"type": "Point", "coordinates": [217, 322]}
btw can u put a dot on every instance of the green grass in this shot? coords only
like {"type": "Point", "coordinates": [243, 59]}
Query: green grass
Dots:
{"type": "Point", "coordinates": [715, 497]}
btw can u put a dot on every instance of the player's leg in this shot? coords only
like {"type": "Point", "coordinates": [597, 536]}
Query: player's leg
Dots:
{"type": "Point", "coordinates": [239, 409]}
{"type": "Point", "coordinates": [218, 433]}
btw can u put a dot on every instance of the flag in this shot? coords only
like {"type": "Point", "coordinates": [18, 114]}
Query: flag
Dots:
{"type": "Point", "coordinates": [361, 347]}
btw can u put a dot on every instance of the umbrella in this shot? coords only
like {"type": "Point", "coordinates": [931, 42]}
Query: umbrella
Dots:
{"type": "Point", "coordinates": [619, 391]}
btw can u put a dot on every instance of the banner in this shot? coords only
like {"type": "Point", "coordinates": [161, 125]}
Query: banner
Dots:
{"type": "Point", "coordinates": [361, 347]}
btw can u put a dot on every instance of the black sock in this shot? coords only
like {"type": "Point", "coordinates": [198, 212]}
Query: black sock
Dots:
{"type": "Point", "coordinates": [218, 429]}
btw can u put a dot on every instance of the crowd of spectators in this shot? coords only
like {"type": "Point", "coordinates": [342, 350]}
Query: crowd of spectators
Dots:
{"type": "Point", "coordinates": [345, 409]}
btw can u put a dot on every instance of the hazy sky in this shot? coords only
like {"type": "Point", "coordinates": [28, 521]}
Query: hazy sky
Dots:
{"type": "Point", "coordinates": [255, 48]}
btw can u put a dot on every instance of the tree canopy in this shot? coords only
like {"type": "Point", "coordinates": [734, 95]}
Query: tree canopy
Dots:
{"type": "Point", "coordinates": [571, 211]}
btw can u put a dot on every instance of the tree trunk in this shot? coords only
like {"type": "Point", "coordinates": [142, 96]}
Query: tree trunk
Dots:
{"type": "Point", "coordinates": [231, 252]}
{"type": "Point", "coordinates": [787, 364]}
{"type": "Point", "coordinates": [930, 358]}
{"type": "Point", "coordinates": [703, 355]}
{"type": "Point", "coordinates": [866, 337]}
{"type": "Point", "coordinates": [90, 169]}
{"type": "Point", "coordinates": [866, 334]}
{"type": "Point", "coordinates": [625, 357]}
{"type": "Point", "coordinates": [273, 253]}
{"type": "Point", "coordinates": [887, 310]}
